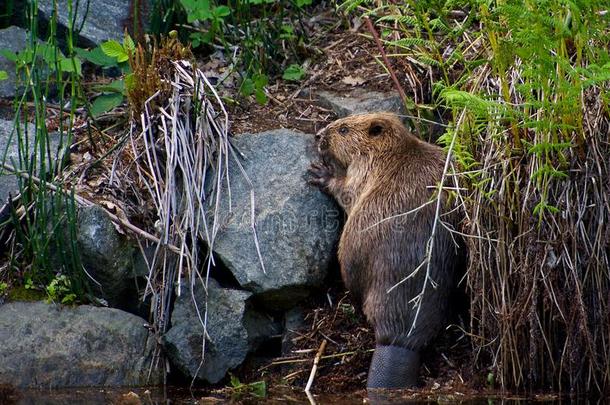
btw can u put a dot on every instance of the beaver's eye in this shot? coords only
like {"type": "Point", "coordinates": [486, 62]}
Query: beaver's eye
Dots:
{"type": "Point", "coordinates": [343, 130]}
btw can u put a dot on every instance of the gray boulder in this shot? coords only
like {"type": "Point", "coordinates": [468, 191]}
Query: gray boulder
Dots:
{"type": "Point", "coordinates": [361, 101]}
{"type": "Point", "coordinates": [49, 346]}
{"type": "Point", "coordinates": [297, 225]}
{"type": "Point", "coordinates": [14, 39]}
{"type": "Point", "coordinates": [107, 255]}
{"type": "Point", "coordinates": [100, 20]}
{"type": "Point", "coordinates": [233, 331]}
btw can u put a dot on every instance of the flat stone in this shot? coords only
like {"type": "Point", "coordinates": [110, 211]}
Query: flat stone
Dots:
{"type": "Point", "coordinates": [361, 101]}
{"type": "Point", "coordinates": [53, 346]}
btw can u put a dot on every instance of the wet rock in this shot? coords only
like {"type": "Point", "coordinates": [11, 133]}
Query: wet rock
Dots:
{"type": "Point", "coordinates": [107, 255]}
{"type": "Point", "coordinates": [50, 346]}
{"type": "Point", "coordinates": [297, 225]}
{"type": "Point", "coordinates": [103, 19]}
{"type": "Point", "coordinates": [361, 101]}
{"type": "Point", "coordinates": [233, 329]}
{"type": "Point", "coordinates": [13, 39]}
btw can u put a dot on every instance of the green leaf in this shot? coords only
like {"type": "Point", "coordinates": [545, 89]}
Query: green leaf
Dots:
{"type": "Point", "coordinates": [24, 57]}
{"type": "Point", "coordinates": [68, 299]}
{"type": "Point", "coordinates": [302, 3]}
{"type": "Point", "coordinates": [235, 383]}
{"type": "Point", "coordinates": [96, 56]}
{"type": "Point", "coordinates": [3, 75]}
{"type": "Point", "coordinates": [115, 50]}
{"type": "Point", "coordinates": [197, 10]}
{"type": "Point", "coordinates": [105, 103]}
{"type": "Point", "coordinates": [260, 96]}
{"type": "Point", "coordinates": [247, 87]}
{"type": "Point", "coordinates": [198, 38]}
{"type": "Point", "coordinates": [293, 73]}
{"type": "Point", "coordinates": [259, 389]}
{"type": "Point", "coordinates": [221, 11]}
{"type": "Point", "coordinates": [66, 65]}
{"type": "Point", "coordinates": [549, 172]}
{"type": "Point", "coordinates": [128, 44]}
{"type": "Point", "coordinates": [543, 206]}
{"type": "Point", "coordinates": [8, 54]}
{"type": "Point", "coordinates": [260, 80]}
{"type": "Point", "coordinates": [287, 32]}
{"type": "Point", "coordinates": [117, 86]}
{"type": "Point", "coordinates": [49, 53]}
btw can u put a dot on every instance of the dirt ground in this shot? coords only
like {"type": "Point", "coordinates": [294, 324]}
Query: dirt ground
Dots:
{"type": "Point", "coordinates": [343, 59]}
{"type": "Point", "coordinates": [335, 323]}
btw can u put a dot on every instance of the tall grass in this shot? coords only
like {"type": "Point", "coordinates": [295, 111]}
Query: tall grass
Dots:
{"type": "Point", "coordinates": [524, 85]}
{"type": "Point", "coordinates": [44, 242]}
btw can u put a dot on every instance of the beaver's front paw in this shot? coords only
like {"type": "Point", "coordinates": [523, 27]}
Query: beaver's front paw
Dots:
{"type": "Point", "coordinates": [320, 175]}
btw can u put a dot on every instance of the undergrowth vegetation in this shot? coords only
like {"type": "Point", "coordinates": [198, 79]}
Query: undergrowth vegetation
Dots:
{"type": "Point", "coordinates": [42, 247]}
{"type": "Point", "coordinates": [261, 37]}
{"type": "Point", "coordinates": [524, 86]}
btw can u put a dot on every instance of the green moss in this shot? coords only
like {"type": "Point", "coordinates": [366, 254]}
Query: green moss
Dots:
{"type": "Point", "coordinates": [24, 294]}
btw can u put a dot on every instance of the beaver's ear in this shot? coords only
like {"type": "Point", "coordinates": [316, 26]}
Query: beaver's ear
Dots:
{"type": "Point", "coordinates": [377, 127]}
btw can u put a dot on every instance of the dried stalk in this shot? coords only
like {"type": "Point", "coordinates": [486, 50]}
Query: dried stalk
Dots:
{"type": "Point", "coordinates": [314, 369]}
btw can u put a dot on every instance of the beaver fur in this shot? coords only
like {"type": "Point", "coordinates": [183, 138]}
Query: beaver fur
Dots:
{"type": "Point", "coordinates": [378, 171]}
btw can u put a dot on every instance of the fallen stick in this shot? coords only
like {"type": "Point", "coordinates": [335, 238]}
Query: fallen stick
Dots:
{"type": "Point", "coordinates": [297, 360]}
{"type": "Point", "coordinates": [316, 360]}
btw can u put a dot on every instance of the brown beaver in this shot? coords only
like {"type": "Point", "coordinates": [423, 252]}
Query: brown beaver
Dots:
{"type": "Point", "coordinates": [377, 171]}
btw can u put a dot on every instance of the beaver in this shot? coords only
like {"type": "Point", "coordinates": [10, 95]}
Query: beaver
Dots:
{"type": "Point", "coordinates": [386, 179]}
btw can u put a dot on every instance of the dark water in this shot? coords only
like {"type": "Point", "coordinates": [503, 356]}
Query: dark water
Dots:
{"type": "Point", "coordinates": [173, 396]}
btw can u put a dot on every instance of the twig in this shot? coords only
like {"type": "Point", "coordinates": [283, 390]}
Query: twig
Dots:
{"type": "Point", "coordinates": [316, 360]}
{"type": "Point", "coordinates": [292, 375]}
{"type": "Point", "coordinates": [386, 61]}
{"type": "Point", "coordinates": [310, 397]}
{"type": "Point", "coordinates": [430, 244]}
